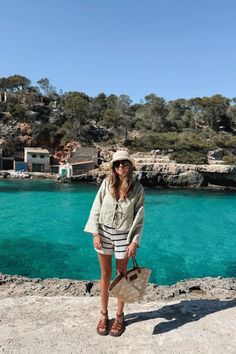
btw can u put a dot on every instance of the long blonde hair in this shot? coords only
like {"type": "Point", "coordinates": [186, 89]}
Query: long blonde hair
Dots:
{"type": "Point", "coordinates": [124, 186]}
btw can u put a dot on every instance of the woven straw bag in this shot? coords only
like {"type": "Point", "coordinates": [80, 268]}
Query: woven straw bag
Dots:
{"type": "Point", "coordinates": [130, 286]}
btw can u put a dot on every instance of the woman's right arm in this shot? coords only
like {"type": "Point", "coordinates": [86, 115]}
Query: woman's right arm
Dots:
{"type": "Point", "coordinates": [92, 225]}
{"type": "Point", "coordinates": [97, 241]}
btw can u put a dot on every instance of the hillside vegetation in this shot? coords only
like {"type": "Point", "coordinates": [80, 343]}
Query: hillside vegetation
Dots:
{"type": "Point", "coordinates": [186, 128]}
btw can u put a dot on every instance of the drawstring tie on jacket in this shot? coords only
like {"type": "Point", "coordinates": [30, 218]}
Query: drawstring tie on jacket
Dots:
{"type": "Point", "coordinates": [116, 215]}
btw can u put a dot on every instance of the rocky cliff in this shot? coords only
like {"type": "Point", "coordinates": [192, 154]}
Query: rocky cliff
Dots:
{"type": "Point", "coordinates": [158, 174]}
{"type": "Point", "coordinates": [186, 175]}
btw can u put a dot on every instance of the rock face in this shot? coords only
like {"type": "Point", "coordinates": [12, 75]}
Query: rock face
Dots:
{"type": "Point", "coordinates": [216, 156]}
{"type": "Point", "coordinates": [152, 174]}
{"type": "Point", "coordinates": [64, 155]}
{"type": "Point", "coordinates": [10, 129]}
{"type": "Point", "coordinates": [186, 175]}
{"type": "Point", "coordinates": [200, 288]}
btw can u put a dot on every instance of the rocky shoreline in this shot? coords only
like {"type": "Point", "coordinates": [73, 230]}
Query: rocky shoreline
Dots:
{"type": "Point", "coordinates": [173, 175]}
{"type": "Point", "coordinates": [194, 288]}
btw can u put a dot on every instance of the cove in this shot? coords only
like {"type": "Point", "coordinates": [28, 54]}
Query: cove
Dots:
{"type": "Point", "coordinates": [187, 233]}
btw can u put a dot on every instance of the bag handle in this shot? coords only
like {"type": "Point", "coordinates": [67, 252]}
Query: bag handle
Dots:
{"type": "Point", "coordinates": [123, 271]}
{"type": "Point", "coordinates": [135, 263]}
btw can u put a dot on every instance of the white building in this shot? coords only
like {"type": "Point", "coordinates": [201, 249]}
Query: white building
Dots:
{"type": "Point", "coordinates": [38, 160]}
{"type": "Point", "coordinates": [65, 170]}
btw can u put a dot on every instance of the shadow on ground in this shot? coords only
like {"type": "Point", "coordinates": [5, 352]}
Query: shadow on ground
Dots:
{"type": "Point", "coordinates": [179, 314]}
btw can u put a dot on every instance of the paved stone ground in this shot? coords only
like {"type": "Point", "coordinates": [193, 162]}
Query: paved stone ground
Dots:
{"type": "Point", "coordinates": [67, 325]}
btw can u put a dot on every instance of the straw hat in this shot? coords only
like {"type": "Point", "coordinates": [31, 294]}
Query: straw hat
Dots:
{"type": "Point", "coordinates": [121, 155]}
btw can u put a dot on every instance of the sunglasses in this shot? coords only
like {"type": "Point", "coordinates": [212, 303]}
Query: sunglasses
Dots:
{"type": "Point", "coordinates": [121, 162]}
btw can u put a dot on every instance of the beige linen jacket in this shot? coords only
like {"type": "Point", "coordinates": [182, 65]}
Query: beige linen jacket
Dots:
{"type": "Point", "coordinates": [123, 215]}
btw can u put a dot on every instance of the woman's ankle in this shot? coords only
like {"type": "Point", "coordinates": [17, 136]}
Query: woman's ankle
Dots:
{"type": "Point", "coordinates": [104, 313]}
{"type": "Point", "coordinates": [119, 316]}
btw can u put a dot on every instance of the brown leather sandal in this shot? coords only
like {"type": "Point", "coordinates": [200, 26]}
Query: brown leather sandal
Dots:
{"type": "Point", "coordinates": [102, 327]}
{"type": "Point", "coordinates": [118, 326]}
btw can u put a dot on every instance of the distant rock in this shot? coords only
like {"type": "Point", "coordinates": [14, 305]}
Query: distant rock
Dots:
{"type": "Point", "coordinates": [216, 156]}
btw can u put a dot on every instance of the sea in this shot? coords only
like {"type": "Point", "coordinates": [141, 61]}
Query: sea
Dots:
{"type": "Point", "coordinates": [187, 233]}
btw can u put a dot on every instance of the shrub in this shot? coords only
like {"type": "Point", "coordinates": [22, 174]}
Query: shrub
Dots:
{"type": "Point", "coordinates": [16, 110]}
{"type": "Point", "coordinates": [224, 140]}
{"type": "Point", "coordinates": [11, 146]}
{"type": "Point", "coordinates": [229, 159]}
{"type": "Point", "coordinates": [177, 141]}
{"type": "Point", "coordinates": [193, 157]}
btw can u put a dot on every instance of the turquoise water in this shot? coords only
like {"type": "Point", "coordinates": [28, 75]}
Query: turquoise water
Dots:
{"type": "Point", "coordinates": [186, 234]}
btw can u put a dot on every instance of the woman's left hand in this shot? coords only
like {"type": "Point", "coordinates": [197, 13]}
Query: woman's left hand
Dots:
{"type": "Point", "coordinates": [131, 250]}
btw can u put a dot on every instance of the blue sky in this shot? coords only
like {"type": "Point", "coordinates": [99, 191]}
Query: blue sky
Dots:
{"type": "Point", "coordinates": [173, 48]}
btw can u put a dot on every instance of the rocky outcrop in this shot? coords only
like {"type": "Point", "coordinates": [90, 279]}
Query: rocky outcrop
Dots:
{"type": "Point", "coordinates": [197, 288]}
{"type": "Point", "coordinates": [216, 156]}
{"type": "Point", "coordinates": [10, 129]}
{"type": "Point", "coordinates": [64, 155]}
{"type": "Point", "coordinates": [201, 288]}
{"type": "Point", "coordinates": [25, 133]}
{"type": "Point", "coordinates": [186, 175]}
{"type": "Point", "coordinates": [152, 174]}
{"type": "Point", "coordinates": [169, 175]}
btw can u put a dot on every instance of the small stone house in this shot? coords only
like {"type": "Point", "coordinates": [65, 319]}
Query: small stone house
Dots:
{"type": "Point", "coordinates": [84, 154]}
{"type": "Point", "coordinates": [37, 159]}
{"type": "Point", "coordinates": [83, 159]}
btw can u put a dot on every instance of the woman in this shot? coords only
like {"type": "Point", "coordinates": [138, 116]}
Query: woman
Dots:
{"type": "Point", "coordinates": [116, 222]}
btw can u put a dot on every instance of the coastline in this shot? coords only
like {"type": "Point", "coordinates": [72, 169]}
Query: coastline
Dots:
{"type": "Point", "coordinates": [194, 288]}
{"type": "Point", "coordinates": [172, 175]}
{"type": "Point", "coordinates": [168, 175]}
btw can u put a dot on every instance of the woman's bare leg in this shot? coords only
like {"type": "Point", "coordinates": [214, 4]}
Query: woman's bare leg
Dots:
{"type": "Point", "coordinates": [106, 272]}
{"type": "Point", "coordinates": [120, 304]}
{"type": "Point", "coordinates": [118, 325]}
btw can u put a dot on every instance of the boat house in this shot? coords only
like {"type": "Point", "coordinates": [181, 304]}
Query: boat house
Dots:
{"type": "Point", "coordinates": [83, 159]}
{"type": "Point", "coordinates": [37, 159]}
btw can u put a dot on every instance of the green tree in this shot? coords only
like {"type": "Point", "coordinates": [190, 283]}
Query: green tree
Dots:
{"type": "Point", "coordinates": [179, 115]}
{"type": "Point", "coordinates": [231, 114]}
{"type": "Point", "coordinates": [15, 83]}
{"type": "Point", "coordinates": [119, 116]}
{"type": "Point", "coordinates": [212, 112]}
{"type": "Point", "coordinates": [11, 145]}
{"type": "Point", "coordinates": [46, 87]}
{"type": "Point", "coordinates": [152, 115]}
{"type": "Point", "coordinates": [76, 111]}
{"type": "Point", "coordinates": [17, 110]}
{"type": "Point", "coordinates": [44, 134]}
{"type": "Point", "coordinates": [97, 107]}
